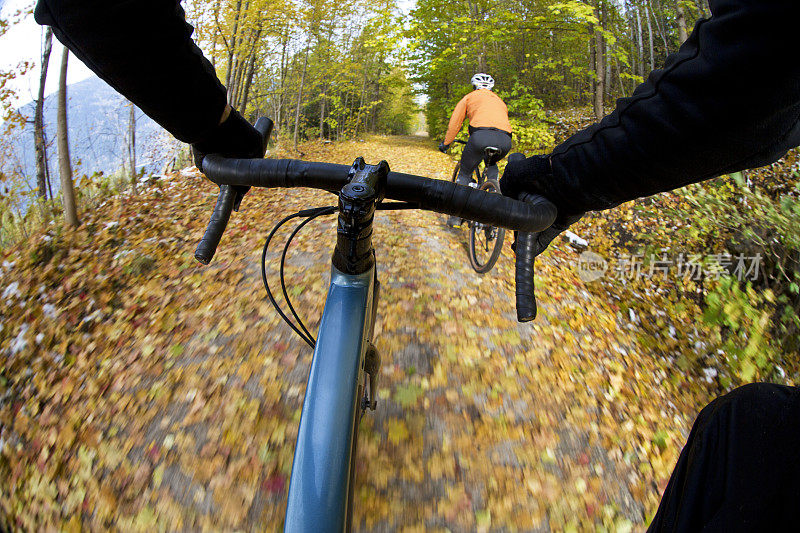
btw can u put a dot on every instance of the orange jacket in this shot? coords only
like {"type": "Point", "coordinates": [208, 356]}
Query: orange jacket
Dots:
{"type": "Point", "coordinates": [484, 110]}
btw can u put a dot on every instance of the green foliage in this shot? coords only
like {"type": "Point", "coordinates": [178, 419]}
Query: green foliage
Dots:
{"type": "Point", "coordinates": [397, 109]}
{"type": "Point", "coordinates": [532, 133]}
{"type": "Point", "coordinates": [543, 46]}
{"type": "Point", "coordinates": [749, 221]}
{"type": "Point", "coordinates": [407, 395]}
{"type": "Point", "coordinates": [751, 324]}
{"type": "Point", "coordinates": [741, 317]}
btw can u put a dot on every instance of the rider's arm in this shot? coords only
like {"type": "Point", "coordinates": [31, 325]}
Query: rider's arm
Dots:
{"type": "Point", "coordinates": [143, 49]}
{"type": "Point", "coordinates": [728, 100]}
{"type": "Point", "coordinates": [456, 120]}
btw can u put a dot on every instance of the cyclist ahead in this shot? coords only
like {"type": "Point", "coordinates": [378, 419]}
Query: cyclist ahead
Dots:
{"type": "Point", "coordinates": [488, 126]}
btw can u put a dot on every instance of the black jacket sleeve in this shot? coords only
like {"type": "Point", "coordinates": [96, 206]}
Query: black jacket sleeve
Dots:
{"type": "Point", "coordinates": [728, 100]}
{"type": "Point", "coordinates": [144, 50]}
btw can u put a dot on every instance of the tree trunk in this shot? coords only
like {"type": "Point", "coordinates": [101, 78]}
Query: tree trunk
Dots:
{"type": "Point", "coordinates": [240, 76]}
{"type": "Point", "coordinates": [682, 35]}
{"type": "Point", "coordinates": [282, 90]}
{"type": "Point", "coordinates": [249, 81]}
{"type": "Point", "coordinates": [592, 62]}
{"type": "Point", "coordinates": [38, 119]}
{"type": "Point", "coordinates": [622, 88]}
{"type": "Point", "coordinates": [47, 175]}
{"type": "Point", "coordinates": [215, 35]}
{"type": "Point", "coordinates": [249, 70]}
{"type": "Point", "coordinates": [64, 162]}
{"type": "Point", "coordinates": [600, 72]}
{"type": "Point", "coordinates": [375, 107]}
{"type": "Point", "coordinates": [639, 42]}
{"type": "Point", "coordinates": [631, 27]}
{"type": "Point", "coordinates": [660, 27]}
{"type": "Point", "coordinates": [361, 104]}
{"type": "Point", "coordinates": [650, 37]}
{"type": "Point", "coordinates": [599, 68]}
{"type": "Point", "coordinates": [322, 118]}
{"type": "Point", "coordinates": [232, 47]}
{"type": "Point", "coordinates": [132, 146]}
{"type": "Point", "coordinates": [299, 100]}
{"type": "Point", "coordinates": [482, 54]}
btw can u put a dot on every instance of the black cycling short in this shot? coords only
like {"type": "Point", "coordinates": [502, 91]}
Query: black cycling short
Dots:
{"type": "Point", "coordinates": [479, 139]}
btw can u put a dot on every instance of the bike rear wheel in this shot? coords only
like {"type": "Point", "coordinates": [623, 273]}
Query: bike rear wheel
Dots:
{"type": "Point", "coordinates": [454, 177]}
{"type": "Point", "coordinates": [485, 242]}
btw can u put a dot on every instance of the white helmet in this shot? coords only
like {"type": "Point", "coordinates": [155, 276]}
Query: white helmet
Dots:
{"type": "Point", "coordinates": [482, 81]}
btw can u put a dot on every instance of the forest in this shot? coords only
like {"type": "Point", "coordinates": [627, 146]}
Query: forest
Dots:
{"type": "Point", "coordinates": [335, 70]}
{"type": "Point", "coordinates": [127, 403]}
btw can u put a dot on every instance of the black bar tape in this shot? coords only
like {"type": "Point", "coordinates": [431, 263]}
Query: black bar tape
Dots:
{"type": "Point", "coordinates": [526, 299]}
{"type": "Point", "coordinates": [526, 254]}
{"type": "Point", "coordinates": [216, 226]}
{"type": "Point", "coordinates": [275, 173]}
{"type": "Point", "coordinates": [468, 203]}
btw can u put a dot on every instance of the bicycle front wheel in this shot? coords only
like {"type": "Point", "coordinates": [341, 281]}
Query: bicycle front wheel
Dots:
{"type": "Point", "coordinates": [485, 241]}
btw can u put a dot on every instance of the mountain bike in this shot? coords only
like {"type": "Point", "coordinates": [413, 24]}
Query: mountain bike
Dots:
{"type": "Point", "coordinates": [485, 241]}
{"type": "Point", "coordinates": [342, 381]}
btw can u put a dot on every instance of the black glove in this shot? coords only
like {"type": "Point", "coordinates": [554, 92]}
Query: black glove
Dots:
{"type": "Point", "coordinates": [534, 176]}
{"type": "Point", "coordinates": [443, 147]}
{"type": "Point", "coordinates": [529, 176]}
{"type": "Point", "coordinates": [233, 138]}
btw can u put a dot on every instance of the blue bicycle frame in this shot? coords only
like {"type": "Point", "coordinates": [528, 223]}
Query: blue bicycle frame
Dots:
{"type": "Point", "coordinates": [319, 489]}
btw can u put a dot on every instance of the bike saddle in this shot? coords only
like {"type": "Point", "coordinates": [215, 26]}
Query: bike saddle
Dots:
{"type": "Point", "coordinates": [492, 154]}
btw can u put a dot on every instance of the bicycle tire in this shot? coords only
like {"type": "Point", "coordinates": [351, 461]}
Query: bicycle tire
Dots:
{"type": "Point", "coordinates": [489, 232]}
{"type": "Point", "coordinates": [454, 177]}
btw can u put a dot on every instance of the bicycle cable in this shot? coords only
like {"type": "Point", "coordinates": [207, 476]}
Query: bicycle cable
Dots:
{"type": "Point", "coordinates": [309, 215]}
{"type": "Point", "coordinates": [323, 211]}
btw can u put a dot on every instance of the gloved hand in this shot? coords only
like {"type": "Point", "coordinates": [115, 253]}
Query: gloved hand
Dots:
{"type": "Point", "coordinates": [443, 147]}
{"type": "Point", "coordinates": [534, 176]}
{"type": "Point", "coordinates": [235, 137]}
{"type": "Point", "coordinates": [528, 176]}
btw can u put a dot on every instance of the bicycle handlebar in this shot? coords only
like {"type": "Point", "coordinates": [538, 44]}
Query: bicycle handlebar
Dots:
{"type": "Point", "coordinates": [528, 215]}
{"type": "Point", "coordinates": [433, 195]}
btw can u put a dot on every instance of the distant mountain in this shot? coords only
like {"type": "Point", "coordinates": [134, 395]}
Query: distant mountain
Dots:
{"type": "Point", "coordinates": [97, 117]}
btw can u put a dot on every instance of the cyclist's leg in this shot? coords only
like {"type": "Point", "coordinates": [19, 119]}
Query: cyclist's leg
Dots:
{"type": "Point", "coordinates": [499, 140]}
{"type": "Point", "coordinates": [740, 467]}
{"type": "Point", "coordinates": [470, 158]}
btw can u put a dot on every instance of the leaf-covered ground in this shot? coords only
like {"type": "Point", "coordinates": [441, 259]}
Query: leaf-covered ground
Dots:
{"type": "Point", "coordinates": [142, 391]}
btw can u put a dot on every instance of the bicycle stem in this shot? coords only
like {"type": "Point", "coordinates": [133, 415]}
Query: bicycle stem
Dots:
{"type": "Point", "coordinates": [366, 186]}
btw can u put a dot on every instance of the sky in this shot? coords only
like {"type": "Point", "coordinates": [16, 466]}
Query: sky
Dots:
{"type": "Point", "coordinates": [23, 42]}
